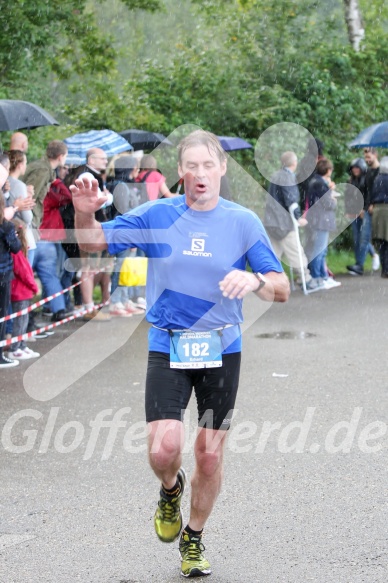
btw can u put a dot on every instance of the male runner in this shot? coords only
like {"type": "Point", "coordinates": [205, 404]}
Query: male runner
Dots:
{"type": "Point", "coordinates": [198, 245]}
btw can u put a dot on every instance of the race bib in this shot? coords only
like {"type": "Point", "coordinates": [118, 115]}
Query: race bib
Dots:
{"type": "Point", "coordinates": [190, 349]}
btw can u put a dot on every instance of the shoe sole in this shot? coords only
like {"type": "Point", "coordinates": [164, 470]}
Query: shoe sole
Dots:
{"type": "Point", "coordinates": [197, 573]}
{"type": "Point", "coordinates": [9, 365]}
{"type": "Point", "coordinates": [124, 315]}
{"type": "Point", "coordinates": [316, 289]}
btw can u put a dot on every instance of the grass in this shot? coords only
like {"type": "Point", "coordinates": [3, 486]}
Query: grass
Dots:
{"type": "Point", "coordinates": [337, 260]}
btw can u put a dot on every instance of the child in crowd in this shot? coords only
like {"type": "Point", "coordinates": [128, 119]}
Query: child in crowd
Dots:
{"type": "Point", "coordinates": [23, 288]}
{"type": "Point", "coordinates": [9, 243]}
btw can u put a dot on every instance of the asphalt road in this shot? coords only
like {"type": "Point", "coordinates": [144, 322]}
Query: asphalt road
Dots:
{"type": "Point", "coordinates": [305, 492]}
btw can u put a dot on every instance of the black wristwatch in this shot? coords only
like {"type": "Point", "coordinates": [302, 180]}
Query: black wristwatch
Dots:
{"type": "Point", "coordinates": [261, 279]}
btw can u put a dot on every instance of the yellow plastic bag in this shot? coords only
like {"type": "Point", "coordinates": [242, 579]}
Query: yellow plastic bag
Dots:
{"type": "Point", "coordinates": [133, 271]}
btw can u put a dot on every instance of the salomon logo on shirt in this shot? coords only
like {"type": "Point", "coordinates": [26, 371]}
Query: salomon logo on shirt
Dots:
{"type": "Point", "coordinates": [197, 249]}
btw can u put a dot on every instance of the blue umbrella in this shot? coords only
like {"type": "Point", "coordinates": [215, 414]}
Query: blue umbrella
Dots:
{"type": "Point", "coordinates": [108, 140]}
{"type": "Point", "coordinates": [232, 143]}
{"type": "Point", "coordinates": [375, 136]}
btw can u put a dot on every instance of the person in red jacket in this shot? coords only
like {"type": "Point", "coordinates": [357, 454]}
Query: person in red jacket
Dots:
{"type": "Point", "coordinates": [23, 288]}
{"type": "Point", "coordinates": [52, 231]}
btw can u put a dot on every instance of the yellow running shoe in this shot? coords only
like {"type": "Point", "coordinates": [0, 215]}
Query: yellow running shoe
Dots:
{"type": "Point", "coordinates": [168, 519]}
{"type": "Point", "coordinates": [194, 563]}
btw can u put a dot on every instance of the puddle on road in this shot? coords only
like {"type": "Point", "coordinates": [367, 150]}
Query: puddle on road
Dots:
{"type": "Point", "coordinates": [287, 335]}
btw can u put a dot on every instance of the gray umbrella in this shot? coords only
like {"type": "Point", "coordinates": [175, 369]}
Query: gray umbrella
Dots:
{"type": "Point", "coordinates": [18, 115]}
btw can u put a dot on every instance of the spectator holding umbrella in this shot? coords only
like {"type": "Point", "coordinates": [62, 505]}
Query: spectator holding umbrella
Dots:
{"type": "Point", "coordinates": [372, 160]}
{"type": "Point", "coordinates": [357, 170]}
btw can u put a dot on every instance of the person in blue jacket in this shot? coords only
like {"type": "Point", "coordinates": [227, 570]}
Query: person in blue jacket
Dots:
{"type": "Point", "coordinates": [198, 246]}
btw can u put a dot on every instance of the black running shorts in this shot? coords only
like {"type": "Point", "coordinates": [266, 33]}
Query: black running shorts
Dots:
{"type": "Point", "coordinates": [168, 390]}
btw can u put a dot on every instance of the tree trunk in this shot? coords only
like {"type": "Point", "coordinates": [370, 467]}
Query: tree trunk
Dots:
{"type": "Point", "coordinates": [354, 23]}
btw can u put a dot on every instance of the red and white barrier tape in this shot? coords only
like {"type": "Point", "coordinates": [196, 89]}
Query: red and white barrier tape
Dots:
{"type": "Point", "coordinates": [27, 335]}
{"type": "Point", "coordinates": [45, 300]}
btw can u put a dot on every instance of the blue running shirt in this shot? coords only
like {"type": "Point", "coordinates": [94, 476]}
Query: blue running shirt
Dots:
{"type": "Point", "coordinates": [189, 253]}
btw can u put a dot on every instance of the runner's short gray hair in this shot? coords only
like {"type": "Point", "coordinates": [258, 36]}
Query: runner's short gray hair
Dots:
{"type": "Point", "coordinates": [201, 138]}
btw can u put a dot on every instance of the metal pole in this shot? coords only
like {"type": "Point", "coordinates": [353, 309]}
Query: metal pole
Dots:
{"type": "Point", "coordinates": [299, 245]}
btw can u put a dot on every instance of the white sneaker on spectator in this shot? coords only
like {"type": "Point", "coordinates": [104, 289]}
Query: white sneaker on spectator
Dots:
{"type": "Point", "coordinates": [118, 309]}
{"type": "Point", "coordinates": [141, 302]}
{"type": "Point", "coordinates": [18, 354]}
{"type": "Point", "coordinates": [329, 283]}
{"type": "Point", "coordinates": [31, 353]}
{"type": "Point", "coordinates": [132, 308]}
{"type": "Point", "coordinates": [314, 284]}
{"type": "Point", "coordinates": [375, 262]}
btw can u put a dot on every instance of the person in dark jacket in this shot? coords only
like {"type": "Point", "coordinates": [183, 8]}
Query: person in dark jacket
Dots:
{"type": "Point", "coordinates": [321, 220]}
{"type": "Point", "coordinates": [308, 167]}
{"type": "Point", "coordinates": [357, 171]}
{"type": "Point", "coordinates": [96, 163]}
{"type": "Point", "coordinates": [379, 211]}
{"type": "Point", "coordinates": [282, 200]}
{"type": "Point", "coordinates": [372, 161]}
{"type": "Point", "coordinates": [9, 243]}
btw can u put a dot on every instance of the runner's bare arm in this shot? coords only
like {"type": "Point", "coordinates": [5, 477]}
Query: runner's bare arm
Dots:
{"type": "Point", "coordinates": [238, 284]}
{"type": "Point", "coordinates": [87, 200]}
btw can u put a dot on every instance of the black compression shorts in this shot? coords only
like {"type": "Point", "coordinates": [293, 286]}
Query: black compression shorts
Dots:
{"type": "Point", "coordinates": [168, 390]}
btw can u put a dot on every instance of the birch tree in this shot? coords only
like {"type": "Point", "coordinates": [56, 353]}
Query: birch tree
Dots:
{"type": "Point", "coordinates": [354, 23]}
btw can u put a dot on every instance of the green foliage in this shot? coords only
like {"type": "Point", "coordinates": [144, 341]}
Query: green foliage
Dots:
{"type": "Point", "coordinates": [231, 66]}
{"type": "Point", "coordinates": [54, 39]}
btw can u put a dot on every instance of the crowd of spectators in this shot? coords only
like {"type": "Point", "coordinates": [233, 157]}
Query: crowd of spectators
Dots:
{"type": "Point", "coordinates": [37, 241]}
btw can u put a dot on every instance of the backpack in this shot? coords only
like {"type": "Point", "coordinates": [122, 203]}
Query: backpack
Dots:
{"type": "Point", "coordinates": [128, 195]}
{"type": "Point", "coordinates": [125, 196]}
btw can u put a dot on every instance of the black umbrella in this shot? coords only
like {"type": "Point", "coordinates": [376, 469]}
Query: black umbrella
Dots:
{"type": "Point", "coordinates": [143, 140]}
{"type": "Point", "coordinates": [19, 115]}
